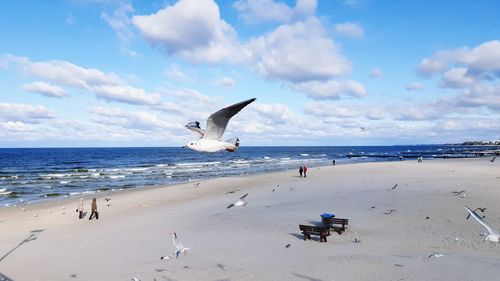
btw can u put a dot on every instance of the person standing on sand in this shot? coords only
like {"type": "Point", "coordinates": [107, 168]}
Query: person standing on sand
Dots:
{"type": "Point", "coordinates": [94, 210]}
{"type": "Point", "coordinates": [300, 171]}
{"type": "Point", "coordinates": [79, 209]}
{"type": "Point", "coordinates": [305, 171]}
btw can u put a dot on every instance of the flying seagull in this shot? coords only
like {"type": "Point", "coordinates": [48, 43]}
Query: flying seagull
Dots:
{"type": "Point", "coordinates": [239, 203]}
{"type": "Point", "coordinates": [477, 209]}
{"type": "Point", "coordinates": [179, 248]}
{"type": "Point", "coordinates": [392, 188]}
{"type": "Point", "coordinates": [460, 193]}
{"type": "Point", "coordinates": [437, 255]}
{"type": "Point", "coordinates": [216, 125]}
{"type": "Point", "coordinates": [492, 235]}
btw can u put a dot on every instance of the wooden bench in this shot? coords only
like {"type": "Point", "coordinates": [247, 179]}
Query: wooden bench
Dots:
{"type": "Point", "coordinates": [309, 230]}
{"type": "Point", "coordinates": [336, 224]}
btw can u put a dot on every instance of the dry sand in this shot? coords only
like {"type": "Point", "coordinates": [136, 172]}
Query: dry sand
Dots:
{"type": "Point", "coordinates": [248, 243]}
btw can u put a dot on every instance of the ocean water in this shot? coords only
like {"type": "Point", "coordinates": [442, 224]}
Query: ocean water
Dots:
{"type": "Point", "coordinates": [32, 174]}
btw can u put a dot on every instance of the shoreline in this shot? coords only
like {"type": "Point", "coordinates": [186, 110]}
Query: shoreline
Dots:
{"type": "Point", "coordinates": [248, 243]}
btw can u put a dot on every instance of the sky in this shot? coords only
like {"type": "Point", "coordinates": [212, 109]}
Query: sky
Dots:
{"type": "Point", "coordinates": [103, 73]}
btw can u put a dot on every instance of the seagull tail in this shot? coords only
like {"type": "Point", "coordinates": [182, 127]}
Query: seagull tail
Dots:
{"type": "Point", "coordinates": [233, 144]}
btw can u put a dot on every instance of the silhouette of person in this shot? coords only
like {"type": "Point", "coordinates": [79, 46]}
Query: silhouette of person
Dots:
{"type": "Point", "coordinates": [94, 210]}
{"type": "Point", "coordinates": [300, 171]}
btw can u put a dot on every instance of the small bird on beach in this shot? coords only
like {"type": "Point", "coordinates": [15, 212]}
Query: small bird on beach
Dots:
{"type": "Point", "coordinates": [436, 255]}
{"type": "Point", "coordinates": [392, 188]}
{"type": "Point", "coordinates": [372, 207]}
{"type": "Point", "coordinates": [492, 234]}
{"type": "Point", "coordinates": [287, 246]}
{"type": "Point", "coordinates": [477, 209]}
{"type": "Point", "coordinates": [356, 240]}
{"type": "Point", "coordinates": [493, 160]}
{"type": "Point", "coordinates": [107, 199]}
{"type": "Point", "coordinates": [239, 203]}
{"type": "Point", "coordinates": [389, 212]}
{"type": "Point", "coordinates": [216, 125]}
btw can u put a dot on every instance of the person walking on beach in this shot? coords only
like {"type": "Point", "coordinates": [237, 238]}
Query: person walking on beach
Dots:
{"type": "Point", "coordinates": [79, 210]}
{"type": "Point", "coordinates": [94, 210]}
{"type": "Point", "coordinates": [305, 171]}
{"type": "Point", "coordinates": [300, 171]}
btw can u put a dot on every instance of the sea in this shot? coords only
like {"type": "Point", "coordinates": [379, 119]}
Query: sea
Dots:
{"type": "Point", "coordinates": [34, 174]}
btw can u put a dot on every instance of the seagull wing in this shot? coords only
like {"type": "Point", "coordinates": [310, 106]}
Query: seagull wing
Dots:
{"type": "Point", "coordinates": [230, 206]}
{"type": "Point", "coordinates": [243, 197]}
{"type": "Point", "coordinates": [481, 221]}
{"type": "Point", "coordinates": [195, 128]}
{"type": "Point", "coordinates": [217, 122]}
{"type": "Point", "coordinates": [177, 244]}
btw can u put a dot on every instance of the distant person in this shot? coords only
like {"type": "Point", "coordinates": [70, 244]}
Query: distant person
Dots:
{"type": "Point", "coordinates": [333, 162]}
{"type": "Point", "coordinates": [300, 171]}
{"type": "Point", "coordinates": [400, 158]}
{"type": "Point", "coordinates": [94, 210]}
{"type": "Point", "coordinates": [305, 171]}
{"type": "Point", "coordinates": [79, 209]}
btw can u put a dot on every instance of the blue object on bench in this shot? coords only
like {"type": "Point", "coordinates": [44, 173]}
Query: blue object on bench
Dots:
{"type": "Point", "coordinates": [327, 216]}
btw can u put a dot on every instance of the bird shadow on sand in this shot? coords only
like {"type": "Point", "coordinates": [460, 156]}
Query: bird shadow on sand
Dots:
{"type": "Point", "coordinates": [32, 236]}
{"type": "Point", "coordinates": [5, 278]}
{"type": "Point", "coordinates": [306, 277]}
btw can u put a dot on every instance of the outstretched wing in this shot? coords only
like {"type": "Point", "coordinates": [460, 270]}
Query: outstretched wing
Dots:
{"type": "Point", "coordinates": [195, 128]}
{"type": "Point", "coordinates": [481, 221]}
{"type": "Point", "coordinates": [217, 122]}
{"type": "Point", "coordinates": [243, 197]}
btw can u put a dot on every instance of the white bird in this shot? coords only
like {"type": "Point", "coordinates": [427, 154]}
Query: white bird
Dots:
{"type": "Point", "coordinates": [492, 235]}
{"type": "Point", "coordinates": [216, 125]}
{"type": "Point", "coordinates": [239, 203]}
{"type": "Point", "coordinates": [436, 255]}
{"type": "Point", "coordinates": [135, 279]}
{"type": "Point", "coordinates": [179, 248]}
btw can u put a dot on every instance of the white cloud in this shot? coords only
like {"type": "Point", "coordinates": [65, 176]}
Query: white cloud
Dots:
{"type": "Point", "coordinates": [457, 78]}
{"type": "Point", "coordinates": [140, 120]}
{"type": "Point", "coordinates": [175, 73]}
{"type": "Point", "coordinates": [258, 11]}
{"type": "Point", "coordinates": [107, 86]}
{"type": "Point", "coordinates": [483, 58]}
{"type": "Point", "coordinates": [376, 73]}
{"type": "Point", "coordinates": [126, 94]}
{"type": "Point", "coordinates": [225, 82]}
{"type": "Point", "coordinates": [331, 89]}
{"type": "Point", "coordinates": [192, 29]}
{"type": "Point", "coordinates": [410, 112]}
{"type": "Point", "coordinates": [328, 110]}
{"type": "Point", "coordinates": [278, 113]}
{"type": "Point", "coordinates": [16, 126]}
{"type": "Point", "coordinates": [415, 86]}
{"type": "Point", "coordinates": [120, 22]}
{"type": "Point", "coordinates": [255, 11]}
{"type": "Point", "coordinates": [45, 89]}
{"type": "Point", "coordinates": [349, 29]}
{"type": "Point", "coordinates": [24, 112]}
{"type": "Point", "coordinates": [481, 96]}
{"type": "Point", "coordinates": [298, 52]}
{"type": "Point", "coordinates": [375, 114]}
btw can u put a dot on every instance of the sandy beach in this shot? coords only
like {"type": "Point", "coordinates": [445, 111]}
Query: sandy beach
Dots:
{"type": "Point", "coordinates": [48, 242]}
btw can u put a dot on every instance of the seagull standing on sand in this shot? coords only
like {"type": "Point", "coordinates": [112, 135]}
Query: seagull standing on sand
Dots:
{"type": "Point", "coordinates": [216, 125]}
{"type": "Point", "coordinates": [492, 235]}
{"type": "Point", "coordinates": [239, 203]}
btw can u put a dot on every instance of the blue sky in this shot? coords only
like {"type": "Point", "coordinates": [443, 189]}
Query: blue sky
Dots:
{"type": "Point", "coordinates": [133, 73]}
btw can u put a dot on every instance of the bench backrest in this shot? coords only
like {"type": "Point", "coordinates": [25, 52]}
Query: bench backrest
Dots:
{"type": "Point", "coordinates": [337, 221]}
{"type": "Point", "coordinates": [311, 228]}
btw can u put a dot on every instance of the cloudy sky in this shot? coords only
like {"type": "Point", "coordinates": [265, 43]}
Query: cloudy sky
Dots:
{"type": "Point", "coordinates": [133, 73]}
